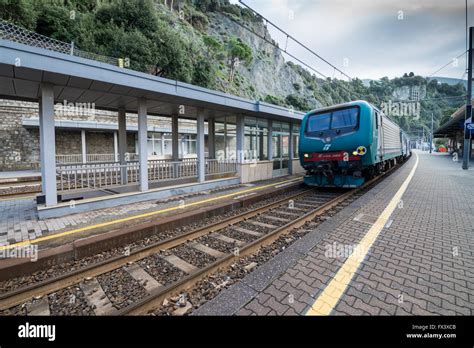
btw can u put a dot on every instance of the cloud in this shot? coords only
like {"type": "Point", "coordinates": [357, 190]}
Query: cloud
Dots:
{"type": "Point", "coordinates": [377, 38]}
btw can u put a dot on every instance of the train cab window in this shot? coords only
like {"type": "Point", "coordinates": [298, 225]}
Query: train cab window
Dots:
{"type": "Point", "coordinates": [344, 118]}
{"type": "Point", "coordinates": [319, 122]}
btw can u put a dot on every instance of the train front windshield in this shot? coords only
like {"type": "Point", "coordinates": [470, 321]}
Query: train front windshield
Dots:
{"type": "Point", "coordinates": [347, 118]}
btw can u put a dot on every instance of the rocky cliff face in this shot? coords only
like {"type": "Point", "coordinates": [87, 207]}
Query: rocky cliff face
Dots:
{"type": "Point", "coordinates": [268, 74]}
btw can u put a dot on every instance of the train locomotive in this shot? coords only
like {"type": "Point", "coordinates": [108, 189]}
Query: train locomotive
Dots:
{"type": "Point", "coordinates": [345, 145]}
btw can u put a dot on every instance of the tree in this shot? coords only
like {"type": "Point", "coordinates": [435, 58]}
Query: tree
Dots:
{"type": "Point", "coordinates": [20, 12]}
{"type": "Point", "coordinates": [237, 52]}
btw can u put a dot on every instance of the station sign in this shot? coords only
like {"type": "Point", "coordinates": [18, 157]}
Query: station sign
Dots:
{"type": "Point", "coordinates": [470, 126]}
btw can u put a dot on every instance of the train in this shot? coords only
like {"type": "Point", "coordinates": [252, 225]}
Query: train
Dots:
{"type": "Point", "coordinates": [348, 144]}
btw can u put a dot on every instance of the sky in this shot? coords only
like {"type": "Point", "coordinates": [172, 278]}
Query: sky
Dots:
{"type": "Point", "coordinates": [370, 39]}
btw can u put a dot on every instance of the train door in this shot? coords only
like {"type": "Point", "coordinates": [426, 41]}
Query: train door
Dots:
{"type": "Point", "coordinates": [280, 148]}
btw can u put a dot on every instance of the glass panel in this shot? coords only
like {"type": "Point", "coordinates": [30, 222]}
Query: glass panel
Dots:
{"type": "Point", "coordinates": [296, 140]}
{"type": "Point", "coordinates": [344, 118]}
{"type": "Point", "coordinates": [276, 164]}
{"type": "Point", "coordinates": [168, 145]}
{"type": "Point", "coordinates": [285, 127]}
{"type": "Point", "coordinates": [276, 141]}
{"type": "Point", "coordinates": [262, 123]}
{"type": "Point", "coordinates": [285, 146]}
{"type": "Point", "coordinates": [251, 121]}
{"type": "Point", "coordinates": [318, 122]}
{"type": "Point", "coordinates": [264, 146]}
{"type": "Point", "coordinates": [276, 126]}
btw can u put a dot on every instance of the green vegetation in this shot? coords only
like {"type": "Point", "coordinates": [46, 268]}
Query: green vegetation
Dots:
{"type": "Point", "coordinates": [173, 39]}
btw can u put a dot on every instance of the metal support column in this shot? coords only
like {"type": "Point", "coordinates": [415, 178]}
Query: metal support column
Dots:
{"type": "Point", "coordinates": [467, 133]}
{"type": "Point", "coordinates": [175, 137]}
{"type": "Point", "coordinates": [116, 156]}
{"type": "Point", "coordinates": [174, 143]}
{"type": "Point", "coordinates": [122, 144]}
{"type": "Point", "coordinates": [48, 145]}
{"type": "Point", "coordinates": [270, 140]}
{"type": "Point", "coordinates": [83, 145]}
{"type": "Point", "coordinates": [201, 165]}
{"type": "Point", "coordinates": [240, 140]}
{"type": "Point", "coordinates": [142, 144]}
{"type": "Point", "coordinates": [290, 150]}
{"type": "Point", "coordinates": [211, 139]}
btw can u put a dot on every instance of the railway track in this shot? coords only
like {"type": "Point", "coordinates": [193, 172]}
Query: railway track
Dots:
{"type": "Point", "coordinates": [139, 282]}
{"type": "Point", "coordinates": [19, 189]}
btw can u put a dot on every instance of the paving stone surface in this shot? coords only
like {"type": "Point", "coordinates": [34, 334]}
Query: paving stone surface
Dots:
{"type": "Point", "coordinates": [421, 263]}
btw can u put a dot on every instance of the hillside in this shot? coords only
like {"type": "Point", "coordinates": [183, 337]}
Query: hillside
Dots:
{"type": "Point", "coordinates": [214, 44]}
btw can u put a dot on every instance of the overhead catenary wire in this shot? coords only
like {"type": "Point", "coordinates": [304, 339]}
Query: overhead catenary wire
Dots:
{"type": "Point", "coordinates": [264, 38]}
{"type": "Point", "coordinates": [445, 65]}
{"type": "Point", "coordinates": [294, 39]}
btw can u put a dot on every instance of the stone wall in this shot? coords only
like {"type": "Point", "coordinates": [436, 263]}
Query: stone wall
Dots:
{"type": "Point", "coordinates": [68, 142]}
{"type": "Point", "coordinates": [19, 147]}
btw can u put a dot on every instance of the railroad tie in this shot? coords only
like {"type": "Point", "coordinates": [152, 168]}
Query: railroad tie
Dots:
{"type": "Point", "coordinates": [304, 205]}
{"type": "Point", "coordinates": [285, 212]}
{"type": "Point", "coordinates": [227, 239]}
{"type": "Point", "coordinates": [244, 230]}
{"type": "Point", "coordinates": [139, 274]}
{"type": "Point", "coordinates": [180, 263]}
{"type": "Point", "coordinates": [96, 297]}
{"type": "Point", "coordinates": [274, 218]}
{"type": "Point", "coordinates": [205, 249]}
{"type": "Point", "coordinates": [262, 224]}
{"type": "Point", "coordinates": [40, 307]}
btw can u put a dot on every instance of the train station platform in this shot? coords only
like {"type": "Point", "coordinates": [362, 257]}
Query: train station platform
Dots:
{"type": "Point", "coordinates": [406, 247]}
{"type": "Point", "coordinates": [20, 224]}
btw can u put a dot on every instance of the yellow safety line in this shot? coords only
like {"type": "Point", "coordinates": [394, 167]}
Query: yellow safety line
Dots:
{"type": "Point", "coordinates": [134, 217]}
{"type": "Point", "coordinates": [331, 295]}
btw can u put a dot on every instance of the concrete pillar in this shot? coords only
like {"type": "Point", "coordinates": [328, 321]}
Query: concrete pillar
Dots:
{"type": "Point", "coordinates": [142, 144]}
{"type": "Point", "coordinates": [175, 137]}
{"type": "Point", "coordinates": [240, 140]}
{"type": "Point", "coordinates": [270, 141]}
{"type": "Point", "coordinates": [43, 189]}
{"type": "Point", "coordinates": [211, 140]}
{"type": "Point", "coordinates": [122, 143]}
{"type": "Point", "coordinates": [290, 150]}
{"type": "Point", "coordinates": [116, 156]}
{"type": "Point", "coordinates": [200, 147]}
{"type": "Point", "coordinates": [174, 143]}
{"type": "Point", "coordinates": [83, 145]}
{"type": "Point", "coordinates": [47, 144]}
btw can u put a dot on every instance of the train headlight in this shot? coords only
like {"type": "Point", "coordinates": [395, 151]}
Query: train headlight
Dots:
{"type": "Point", "coordinates": [355, 153]}
{"type": "Point", "coordinates": [306, 155]}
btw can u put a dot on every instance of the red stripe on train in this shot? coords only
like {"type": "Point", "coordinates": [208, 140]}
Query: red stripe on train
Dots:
{"type": "Point", "coordinates": [330, 156]}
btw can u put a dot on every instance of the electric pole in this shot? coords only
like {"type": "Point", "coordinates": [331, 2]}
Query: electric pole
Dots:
{"type": "Point", "coordinates": [431, 135]}
{"type": "Point", "coordinates": [467, 132]}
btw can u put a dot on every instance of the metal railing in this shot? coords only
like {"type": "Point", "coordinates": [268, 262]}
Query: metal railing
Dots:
{"type": "Point", "coordinates": [69, 159]}
{"type": "Point", "coordinates": [159, 170]}
{"type": "Point", "coordinates": [214, 166]}
{"type": "Point", "coordinates": [11, 32]}
{"type": "Point", "coordinates": [90, 177]}
{"type": "Point", "coordinates": [81, 177]}
{"type": "Point", "coordinates": [94, 158]}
